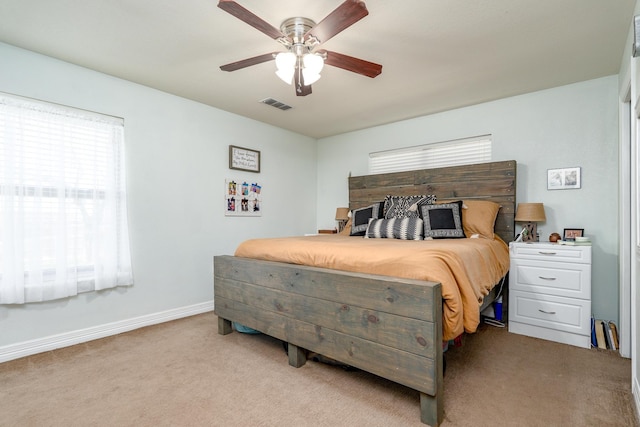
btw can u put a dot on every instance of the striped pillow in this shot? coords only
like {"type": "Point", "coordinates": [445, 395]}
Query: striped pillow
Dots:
{"type": "Point", "coordinates": [396, 228]}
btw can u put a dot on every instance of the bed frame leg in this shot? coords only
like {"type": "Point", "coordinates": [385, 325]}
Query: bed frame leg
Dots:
{"type": "Point", "coordinates": [224, 326]}
{"type": "Point", "coordinates": [430, 409]}
{"type": "Point", "coordinates": [297, 356]}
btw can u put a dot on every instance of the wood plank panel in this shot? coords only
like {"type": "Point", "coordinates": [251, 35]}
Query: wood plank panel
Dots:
{"type": "Point", "coordinates": [476, 172]}
{"type": "Point", "coordinates": [403, 297]}
{"type": "Point", "coordinates": [443, 190]}
{"type": "Point", "coordinates": [411, 370]}
{"type": "Point", "coordinates": [414, 336]}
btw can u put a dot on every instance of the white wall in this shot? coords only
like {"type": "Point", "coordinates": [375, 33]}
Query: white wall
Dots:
{"type": "Point", "coordinates": [177, 161]}
{"type": "Point", "coordinates": [574, 125]}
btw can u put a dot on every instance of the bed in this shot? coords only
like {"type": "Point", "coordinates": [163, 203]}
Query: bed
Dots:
{"type": "Point", "coordinates": [388, 325]}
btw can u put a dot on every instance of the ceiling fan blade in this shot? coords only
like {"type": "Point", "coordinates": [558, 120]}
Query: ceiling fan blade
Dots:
{"type": "Point", "coordinates": [250, 18]}
{"type": "Point", "coordinates": [345, 15]}
{"type": "Point", "coordinates": [301, 89]}
{"type": "Point", "coordinates": [248, 62]}
{"type": "Point", "coordinates": [349, 63]}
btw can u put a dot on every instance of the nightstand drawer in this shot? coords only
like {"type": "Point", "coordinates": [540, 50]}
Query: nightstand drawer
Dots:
{"type": "Point", "coordinates": [562, 279]}
{"type": "Point", "coordinates": [552, 252]}
{"type": "Point", "coordinates": [558, 313]}
{"type": "Point", "coordinates": [550, 292]}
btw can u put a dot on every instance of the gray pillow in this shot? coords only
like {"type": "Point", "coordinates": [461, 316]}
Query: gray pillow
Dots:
{"type": "Point", "coordinates": [442, 221]}
{"type": "Point", "coordinates": [360, 218]}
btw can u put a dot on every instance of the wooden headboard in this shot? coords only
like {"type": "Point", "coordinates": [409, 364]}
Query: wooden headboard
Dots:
{"type": "Point", "coordinates": [495, 181]}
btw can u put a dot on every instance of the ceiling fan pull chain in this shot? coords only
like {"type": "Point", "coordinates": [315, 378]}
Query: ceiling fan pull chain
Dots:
{"type": "Point", "coordinates": [299, 70]}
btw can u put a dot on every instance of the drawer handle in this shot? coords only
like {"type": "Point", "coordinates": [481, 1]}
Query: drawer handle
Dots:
{"type": "Point", "coordinates": [547, 278]}
{"type": "Point", "coordinates": [546, 253]}
{"type": "Point", "coordinates": [546, 312]}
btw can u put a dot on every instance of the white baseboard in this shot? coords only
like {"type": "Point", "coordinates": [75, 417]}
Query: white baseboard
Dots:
{"type": "Point", "coordinates": [28, 348]}
{"type": "Point", "coordinates": [635, 389]}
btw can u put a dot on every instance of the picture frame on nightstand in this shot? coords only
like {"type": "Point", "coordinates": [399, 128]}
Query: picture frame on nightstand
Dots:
{"type": "Point", "coordinates": [572, 233]}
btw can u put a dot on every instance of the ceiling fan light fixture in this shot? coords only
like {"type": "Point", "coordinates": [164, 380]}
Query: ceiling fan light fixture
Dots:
{"type": "Point", "coordinates": [309, 77]}
{"type": "Point", "coordinates": [313, 63]}
{"type": "Point", "coordinates": [286, 64]}
{"type": "Point", "coordinates": [300, 36]}
{"type": "Point", "coordinates": [286, 75]}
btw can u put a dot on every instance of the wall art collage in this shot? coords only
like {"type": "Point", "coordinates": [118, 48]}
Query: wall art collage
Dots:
{"type": "Point", "coordinates": [243, 198]}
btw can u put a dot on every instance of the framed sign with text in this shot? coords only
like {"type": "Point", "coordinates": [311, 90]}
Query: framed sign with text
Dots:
{"type": "Point", "coordinates": [244, 159]}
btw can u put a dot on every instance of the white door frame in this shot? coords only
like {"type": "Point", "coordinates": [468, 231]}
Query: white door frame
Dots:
{"type": "Point", "coordinates": [625, 243]}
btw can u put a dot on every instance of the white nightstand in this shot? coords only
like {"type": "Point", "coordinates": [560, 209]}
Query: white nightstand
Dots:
{"type": "Point", "coordinates": [550, 292]}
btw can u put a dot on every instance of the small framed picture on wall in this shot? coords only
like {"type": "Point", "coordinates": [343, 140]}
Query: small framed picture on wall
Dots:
{"type": "Point", "coordinates": [563, 179]}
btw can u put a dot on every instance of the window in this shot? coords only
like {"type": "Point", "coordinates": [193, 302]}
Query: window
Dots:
{"type": "Point", "coordinates": [450, 153]}
{"type": "Point", "coordinates": [63, 222]}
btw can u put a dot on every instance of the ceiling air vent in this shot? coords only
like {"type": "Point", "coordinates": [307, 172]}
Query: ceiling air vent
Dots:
{"type": "Point", "coordinates": [277, 104]}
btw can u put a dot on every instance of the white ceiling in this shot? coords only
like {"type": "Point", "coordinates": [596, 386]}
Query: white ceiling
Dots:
{"type": "Point", "coordinates": [436, 54]}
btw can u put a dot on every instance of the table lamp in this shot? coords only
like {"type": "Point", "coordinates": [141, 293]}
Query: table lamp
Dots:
{"type": "Point", "coordinates": [342, 216]}
{"type": "Point", "coordinates": [531, 213]}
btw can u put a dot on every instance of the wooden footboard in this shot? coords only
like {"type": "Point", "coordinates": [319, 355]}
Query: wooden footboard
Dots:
{"type": "Point", "coordinates": [388, 326]}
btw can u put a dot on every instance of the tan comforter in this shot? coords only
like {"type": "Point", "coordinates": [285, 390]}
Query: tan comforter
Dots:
{"type": "Point", "coordinates": [467, 268]}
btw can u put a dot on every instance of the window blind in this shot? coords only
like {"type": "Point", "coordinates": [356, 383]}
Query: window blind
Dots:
{"type": "Point", "coordinates": [449, 153]}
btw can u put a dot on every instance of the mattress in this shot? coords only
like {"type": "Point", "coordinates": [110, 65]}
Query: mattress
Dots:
{"type": "Point", "coordinates": [467, 268]}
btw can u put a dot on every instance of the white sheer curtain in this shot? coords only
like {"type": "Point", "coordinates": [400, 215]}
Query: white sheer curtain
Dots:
{"type": "Point", "coordinates": [63, 213]}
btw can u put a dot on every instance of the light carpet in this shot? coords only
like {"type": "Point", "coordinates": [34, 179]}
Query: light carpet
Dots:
{"type": "Point", "coordinates": [183, 373]}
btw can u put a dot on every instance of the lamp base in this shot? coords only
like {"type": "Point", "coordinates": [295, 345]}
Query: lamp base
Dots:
{"type": "Point", "coordinates": [531, 235]}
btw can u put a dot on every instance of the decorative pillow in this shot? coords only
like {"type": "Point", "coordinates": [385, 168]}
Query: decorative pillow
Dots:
{"type": "Point", "coordinates": [443, 221]}
{"type": "Point", "coordinates": [396, 228]}
{"type": "Point", "coordinates": [405, 206]}
{"type": "Point", "coordinates": [479, 217]}
{"type": "Point", "coordinates": [360, 218]}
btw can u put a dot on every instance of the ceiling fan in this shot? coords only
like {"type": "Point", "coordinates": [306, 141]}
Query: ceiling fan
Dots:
{"type": "Point", "coordinates": [300, 36]}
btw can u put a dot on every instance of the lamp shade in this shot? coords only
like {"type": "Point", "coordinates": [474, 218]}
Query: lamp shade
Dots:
{"type": "Point", "coordinates": [342, 214]}
{"type": "Point", "coordinates": [313, 63]}
{"type": "Point", "coordinates": [286, 64]}
{"type": "Point", "coordinates": [310, 77]}
{"type": "Point", "coordinates": [285, 60]}
{"type": "Point", "coordinates": [530, 212]}
{"type": "Point", "coordinates": [312, 66]}
{"type": "Point", "coordinates": [286, 75]}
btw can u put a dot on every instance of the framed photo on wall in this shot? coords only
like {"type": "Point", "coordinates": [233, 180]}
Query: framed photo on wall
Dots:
{"type": "Point", "coordinates": [244, 159]}
{"type": "Point", "coordinates": [563, 179]}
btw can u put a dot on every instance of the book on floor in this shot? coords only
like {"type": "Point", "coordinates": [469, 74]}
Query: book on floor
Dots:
{"type": "Point", "coordinates": [600, 339]}
{"type": "Point", "coordinates": [613, 334]}
{"type": "Point", "coordinates": [605, 327]}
